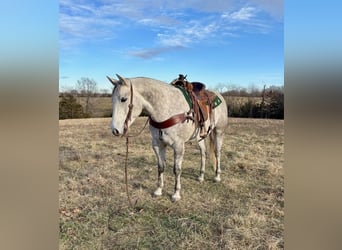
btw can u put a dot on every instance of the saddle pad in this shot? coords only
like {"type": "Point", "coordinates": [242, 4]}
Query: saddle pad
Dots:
{"type": "Point", "coordinates": [217, 101]}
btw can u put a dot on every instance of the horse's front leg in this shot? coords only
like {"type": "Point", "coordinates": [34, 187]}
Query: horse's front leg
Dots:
{"type": "Point", "coordinates": [201, 145]}
{"type": "Point", "coordinates": [159, 149]}
{"type": "Point", "coordinates": [177, 168]}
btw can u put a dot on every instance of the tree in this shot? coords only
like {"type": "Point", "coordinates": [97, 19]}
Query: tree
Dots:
{"type": "Point", "coordinates": [277, 105]}
{"type": "Point", "coordinates": [69, 108]}
{"type": "Point", "coordinates": [87, 88]}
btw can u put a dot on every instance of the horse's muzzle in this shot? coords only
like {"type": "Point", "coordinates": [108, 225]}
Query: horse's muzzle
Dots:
{"type": "Point", "coordinates": [115, 132]}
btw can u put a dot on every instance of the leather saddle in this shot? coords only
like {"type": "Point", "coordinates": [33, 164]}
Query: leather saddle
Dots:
{"type": "Point", "coordinates": [201, 99]}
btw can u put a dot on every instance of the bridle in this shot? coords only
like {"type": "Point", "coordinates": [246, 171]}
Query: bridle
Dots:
{"type": "Point", "coordinates": [129, 114]}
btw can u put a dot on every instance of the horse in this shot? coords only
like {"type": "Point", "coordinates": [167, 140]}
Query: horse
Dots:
{"type": "Point", "coordinates": [164, 102]}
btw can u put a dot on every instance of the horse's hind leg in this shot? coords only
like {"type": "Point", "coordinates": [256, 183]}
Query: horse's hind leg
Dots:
{"type": "Point", "coordinates": [159, 149]}
{"type": "Point", "coordinates": [201, 145]}
{"type": "Point", "coordinates": [218, 145]}
{"type": "Point", "coordinates": [177, 168]}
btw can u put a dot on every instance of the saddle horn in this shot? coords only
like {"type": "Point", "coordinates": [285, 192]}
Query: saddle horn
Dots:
{"type": "Point", "coordinates": [181, 77]}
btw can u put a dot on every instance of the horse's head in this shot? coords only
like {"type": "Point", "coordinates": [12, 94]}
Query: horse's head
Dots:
{"type": "Point", "coordinates": [123, 101]}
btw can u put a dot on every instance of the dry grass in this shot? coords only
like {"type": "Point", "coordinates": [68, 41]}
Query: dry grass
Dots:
{"type": "Point", "coordinates": [239, 100]}
{"type": "Point", "coordinates": [244, 211]}
{"type": "Point", "coordinates": [99, 106]}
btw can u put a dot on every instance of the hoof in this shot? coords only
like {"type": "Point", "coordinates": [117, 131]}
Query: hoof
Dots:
{"type": "Point", "coordinates": [217, 178]}
{"type": "Point", "coordinates": [158, 192]}
{"type": "Point", "coordinates": [175, 197]}
{"type": "Point", "coordinates": [200, 178]}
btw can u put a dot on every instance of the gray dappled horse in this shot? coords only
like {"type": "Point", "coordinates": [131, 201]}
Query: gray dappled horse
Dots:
{"type": "Point", "coordinates": [162, 101]}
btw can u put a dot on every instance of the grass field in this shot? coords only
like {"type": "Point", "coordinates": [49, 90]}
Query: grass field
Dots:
{"type": "Point", "coordinates": [244, 211]}
{"type": "Point", "coordinates": [99, 106]}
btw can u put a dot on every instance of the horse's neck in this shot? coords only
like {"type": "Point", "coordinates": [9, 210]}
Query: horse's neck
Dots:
{"type": "Point", "coordinates": [161, 101]}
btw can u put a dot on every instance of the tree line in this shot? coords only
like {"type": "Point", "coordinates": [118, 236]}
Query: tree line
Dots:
{"type": "Point", "coordinates": [260, 103]}
{"type": "Point", "coordinates": [266, 103]}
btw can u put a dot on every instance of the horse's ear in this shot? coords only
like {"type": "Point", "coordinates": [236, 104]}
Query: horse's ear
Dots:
{"type": "Point", "coordinates": [122, 80]}
{"type": "Point", "coordinates": [113, 81]}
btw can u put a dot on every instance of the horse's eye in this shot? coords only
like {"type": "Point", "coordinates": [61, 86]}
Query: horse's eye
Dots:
{"type": "Point", "coordinates": [123, 99]}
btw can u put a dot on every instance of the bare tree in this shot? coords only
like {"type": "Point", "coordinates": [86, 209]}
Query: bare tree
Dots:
{"type": "Point", "coordinates": [221, 88]}
{"type": "Point", "coordinates": [87, 88]}
{"type": "Point", "coordinates": [262, 104]}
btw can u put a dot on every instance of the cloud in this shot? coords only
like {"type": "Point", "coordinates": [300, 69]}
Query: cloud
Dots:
{"type": "Point", "coordinates": [244, 14]}
{"type": "Point", "coordinates": [199, 31]}
{"type": "Point", "coordinates": [192, 32]}
{"type": "Point", "coordinates": [173, 40]}
{"type": "Point", "coordinates": [153, 52]}
{"type": "Point", "coordinates": [247, 19]}
{"type": "Point", "coordinates": [79, 22]}
{"type": "Point", "coordinates": [159, 21]}
{"type": "Point", "coordinates": [170, 24]}
{"type": "Point", "coordinates": [86, 27]}
{"type": "Point", "coordinates": [275, 8]}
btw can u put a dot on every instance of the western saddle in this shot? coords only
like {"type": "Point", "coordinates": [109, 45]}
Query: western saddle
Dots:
{"type": "Point", "coordinates": [202, 102]}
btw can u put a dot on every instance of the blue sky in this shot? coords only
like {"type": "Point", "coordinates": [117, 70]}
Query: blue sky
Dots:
{"type": "Point", "coordinates": [229, 43]}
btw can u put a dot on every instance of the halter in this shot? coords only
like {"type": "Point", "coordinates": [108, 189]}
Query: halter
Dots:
{"type": "Point", "coordinates": [129, 114]}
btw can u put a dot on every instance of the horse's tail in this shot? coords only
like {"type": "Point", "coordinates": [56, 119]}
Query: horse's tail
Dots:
{"type": "Point", "coordinates": [212, 148]}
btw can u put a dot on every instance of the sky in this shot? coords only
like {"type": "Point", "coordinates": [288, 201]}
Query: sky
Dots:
{"type": "Point", "coordinates": [223, 43]}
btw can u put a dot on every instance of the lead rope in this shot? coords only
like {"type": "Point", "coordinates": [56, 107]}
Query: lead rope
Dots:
{"type": "Point", "coordinates": [126, 181]}
{"type": "Point", "coordinates": [128, 118]}
{"type": "Point", "coordinates": [126, 163]}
